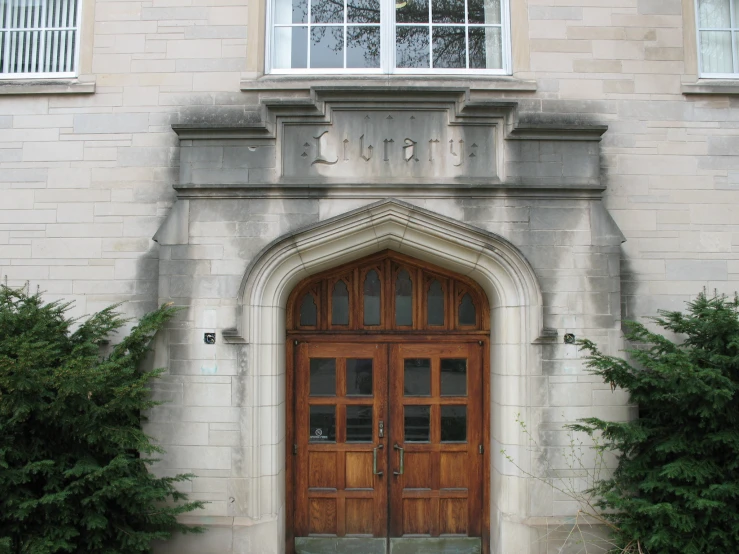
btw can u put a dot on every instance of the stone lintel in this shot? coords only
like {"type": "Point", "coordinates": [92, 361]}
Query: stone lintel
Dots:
{"type": "Point", "coordinates": [711, 86]}
{"type": "Point", "coordinates": [47, 86]}
{"type": "Point", "coordinates": [280, 83]}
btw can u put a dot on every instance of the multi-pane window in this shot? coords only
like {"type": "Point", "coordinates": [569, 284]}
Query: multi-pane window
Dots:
{"type": "Point", "coordinates": [386, 292]}
{"type": "Point", "coordinates": [718, 37]}
{"type": "Point", "coordinates": [388, 36]}
{"type": "Point", "coordinates": [38, 38]}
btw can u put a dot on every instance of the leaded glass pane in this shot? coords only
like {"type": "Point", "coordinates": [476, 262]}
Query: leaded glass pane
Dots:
{"type": "Point", "coordinates": [372, 298]}
{"type": "Point", "coordinates": [308, 310]}
{"type": "Point", "coordinates": [467, 312]}
{"type": "Point", "coordinates": [403, 299]}
{"type": "Point", "coordinates": [435, 304]}
{"type": "Point", "coordinates": [340, 304]}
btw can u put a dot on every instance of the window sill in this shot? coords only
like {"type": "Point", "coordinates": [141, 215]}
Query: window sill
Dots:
{"type": "Point", "coordinates": [711, 86]}
{"type": "Point", "coordinates": [298, 82]}
{"type": "Point", "coordinates": [46, 86]}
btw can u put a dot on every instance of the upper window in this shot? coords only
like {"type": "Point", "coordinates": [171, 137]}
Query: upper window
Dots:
{"type": "Point", "coordinates": [38, 38]}
{"type": "Point", "coordinates": [388, 36]}
{"type": "Point", "coordinates": [718, 37]}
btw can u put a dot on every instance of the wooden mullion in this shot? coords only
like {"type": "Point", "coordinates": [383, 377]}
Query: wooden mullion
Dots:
{"type": "Point", "coordinates": [417, 297]}
{"type": "Point", "coordinates": [356, 319]}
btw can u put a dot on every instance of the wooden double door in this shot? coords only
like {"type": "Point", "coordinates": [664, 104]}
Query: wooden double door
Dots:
{"type": "Point", "coordinates": [388, 438]}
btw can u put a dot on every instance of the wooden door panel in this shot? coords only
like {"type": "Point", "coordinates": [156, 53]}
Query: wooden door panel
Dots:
{"type": "Point", "coordinates": [323, 516]}
{"type": "Point", "coordinates": [341, 396]}
{"type": "Point", "coordinates": [358, 470]}
{"type": "Point", "coordinates": [322, 473]}
{"type": "Point", "coordinates": [357, 522]}
{"type": "Point", "coordinates": [417, 514]}
{"type": "Point", "coordinates": [436, 395]}
{"type": "Point", "coordinates": [453, 516]}
{"type": "Point", "coordinates": [453, 470]}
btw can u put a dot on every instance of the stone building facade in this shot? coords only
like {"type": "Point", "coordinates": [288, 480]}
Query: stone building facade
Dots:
{"type": "Point", "coordinates": [592, 177]}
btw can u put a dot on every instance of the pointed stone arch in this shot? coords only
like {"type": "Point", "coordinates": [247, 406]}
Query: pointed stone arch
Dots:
{"type": "Point", "coordinates": [516, 323]}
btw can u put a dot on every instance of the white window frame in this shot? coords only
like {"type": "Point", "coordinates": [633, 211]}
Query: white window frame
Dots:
{"type": "Point", "coordinates": [387, 49]}
{"type": "Point", "coordinates": [39, 25]}
{"type": "Point", "coordinates": [734, 38]}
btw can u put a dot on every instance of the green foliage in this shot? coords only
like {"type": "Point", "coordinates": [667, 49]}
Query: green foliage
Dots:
{"type": "Point", "coordinates": [73, 456]}
{"type": "Point", "coordinates": [676, 487]}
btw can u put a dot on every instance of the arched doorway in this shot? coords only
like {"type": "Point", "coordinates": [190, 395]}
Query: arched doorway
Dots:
{"type": "Point", "coordinates": [388, 409]}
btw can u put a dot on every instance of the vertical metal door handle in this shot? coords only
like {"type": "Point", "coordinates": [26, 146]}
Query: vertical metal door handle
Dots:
{"type": "Point", "coordinates": [374, 459]}
{"type": "Point", "coordinates": [402, 460]}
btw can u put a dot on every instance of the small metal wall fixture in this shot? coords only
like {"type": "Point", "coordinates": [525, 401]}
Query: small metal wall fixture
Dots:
{"type": "Point", "coordinates": [209, 338]}
{"type": "Point", "coordinates": [570, 338]}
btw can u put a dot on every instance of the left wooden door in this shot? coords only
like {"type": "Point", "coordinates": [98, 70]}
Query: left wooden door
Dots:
{"type": "Point", "coordinates": [340, 412]}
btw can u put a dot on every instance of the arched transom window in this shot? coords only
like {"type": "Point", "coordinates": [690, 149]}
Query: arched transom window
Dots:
{"type": "Point", "coordinates": [384, 292]}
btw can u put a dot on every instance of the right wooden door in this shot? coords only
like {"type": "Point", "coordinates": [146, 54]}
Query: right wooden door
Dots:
{"type": "Point", "coordinates": [436, 438]}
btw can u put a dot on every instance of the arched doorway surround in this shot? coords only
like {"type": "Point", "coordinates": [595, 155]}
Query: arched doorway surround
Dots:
{"type": "Point", "coordinates": [515, 322]}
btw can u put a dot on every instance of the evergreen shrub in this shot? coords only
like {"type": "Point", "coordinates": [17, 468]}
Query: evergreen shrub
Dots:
{"type": "Point", "coordinates": [676, 486]}
{"type": "Point", "coordinates": [73, 456]}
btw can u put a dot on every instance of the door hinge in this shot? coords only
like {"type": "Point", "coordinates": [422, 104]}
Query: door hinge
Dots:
{"type": "Point", "coordinates": [481, 449]}
{"type": "Point", "coordinates": [295, 449]}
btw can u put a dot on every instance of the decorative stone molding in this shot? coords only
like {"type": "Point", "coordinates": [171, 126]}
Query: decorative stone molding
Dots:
{"type": "Point", "coordinates": [366, 136]}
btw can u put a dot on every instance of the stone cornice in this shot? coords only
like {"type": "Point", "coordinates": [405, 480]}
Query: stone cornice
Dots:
{"type": "Point", "coordinates": [399, 189]}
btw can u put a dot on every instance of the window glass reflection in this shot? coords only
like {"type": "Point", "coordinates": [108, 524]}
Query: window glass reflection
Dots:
{"type": "Point", "coordinates": [453, 423]}
{"type": "Point", "coordinates": [359, 423]}
{"type": "Point", "coordinates": [291, 11]}
{"type": "Point", "coordinates": [447, 11]}
{"type": "Point", "coordinates": [340, 304]}
{"type": "Point", "coordinates": [412, 47]}
{"type": "Point", "coordinates": [412, 11]}
{"type": "Point", "coordinates": [359, 377]}
{"type": "Point", "coordinates": [403, 299]}
{"type": "Point", "coordinates": [322, 424]}
{"type": "Point", "coordinates": [454, 377]}
{"type": "Point", "coordinates": [467, 313]}
{"type": "Point", "coordinates": [449, 47]}
{"type": "Point", "coordinates": [308, 310]}
{"type": "Point", "coordinates": [322, 377]}
{"type": "Point", "coordinates": [417, 423]}
{"type": "Point", "coordinates": [372, 298]}
{"type": "Point", "coordinates": [483, 11]}
{"type": "Point", "coordinates": [486, 50]}
{"type": "Point", "coordinates": [435, 304]}
{"type": "Point", "coordinates": [327, 47]}
{"type": "Point", "coordinates": [291, 50]}
{"type": "Point", "coordinates": [326, 11]}
{"type": "Point", "coordinates": [363, 11]}
{"type": "Point", "coordinates": [363, 47]}
{"type": "Point", "coordinates": [417, 377]}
